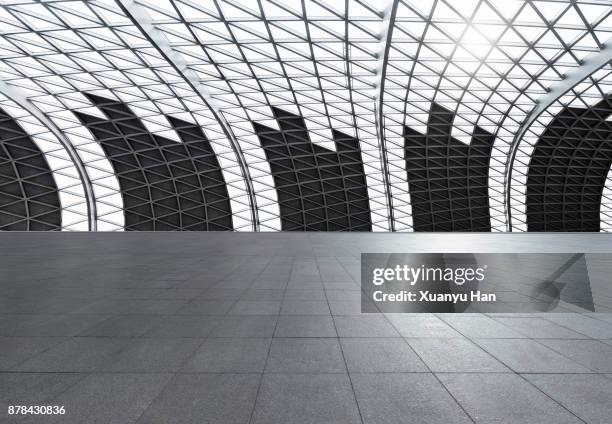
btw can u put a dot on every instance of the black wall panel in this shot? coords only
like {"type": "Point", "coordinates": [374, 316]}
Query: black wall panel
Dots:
{"type": "Point", "coordinates": [165, 185]}
{"type": "Point", "coordinates": [29, 198]}
{"type": "Point", "coordinates": [448, 179]}
{"type": "Point", "coordinates": [568, 170]}
{"type": "Point", "coordinates": [318, 189]}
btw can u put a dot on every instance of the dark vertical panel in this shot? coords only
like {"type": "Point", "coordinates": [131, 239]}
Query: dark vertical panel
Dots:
{"type": "Point", "coordinates": [568, 169]}
{"type": "Point", "coordinates": [29, 198]}
{"type": "Point", "coordinates": [448, 179]}
{"type": "Point", "coordinates": [165, 185]}
{"type": "Point", "coordinates": [318, 189]}
{"type": "Point", "coordinates": [207, 182]}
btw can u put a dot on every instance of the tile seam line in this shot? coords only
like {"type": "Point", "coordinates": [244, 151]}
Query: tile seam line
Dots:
{"type": "Point", "coordinates": [339, 343]}
{"type": "Point", "coordinates": [263, 370]}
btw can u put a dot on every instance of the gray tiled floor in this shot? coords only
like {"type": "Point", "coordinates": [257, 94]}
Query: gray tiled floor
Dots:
{"type": "Point", "coordinates": [267, 328]}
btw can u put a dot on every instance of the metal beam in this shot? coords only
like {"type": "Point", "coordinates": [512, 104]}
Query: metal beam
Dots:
{"type": "Point", "coordinates": [590, 64]}
{"type": "Point", "coordinates": [388, 25]}
{"type": "Point", "coordinates": [16, 95]}
{"type": "Point", "coordinates": [142, 20]}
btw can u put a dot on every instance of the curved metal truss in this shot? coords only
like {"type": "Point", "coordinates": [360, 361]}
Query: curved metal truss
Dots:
{"type": "Point", "coordinates": [486, 62]}
{"type": "Point", "coordinates": [566, 140]}
{"type": "Point", "coordinates": [42, 175]}
{"type": "Point", "coordinates": [55, 53]}
{"type": "Point", "coordinates": [443, 103]}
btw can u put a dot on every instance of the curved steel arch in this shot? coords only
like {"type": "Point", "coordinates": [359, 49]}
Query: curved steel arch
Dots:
{"type": "Point", "coordinates": [141, 19]}
{"type": "Point", "coordinates": [12, 92]}
{"type": "Point", "coordinates": [382, 72]}
{"type": "Point", "coordinates": [591, 64]}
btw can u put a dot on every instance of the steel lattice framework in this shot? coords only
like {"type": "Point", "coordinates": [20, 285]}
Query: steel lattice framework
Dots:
{"type": "Point", "coordinates": [447, 106]}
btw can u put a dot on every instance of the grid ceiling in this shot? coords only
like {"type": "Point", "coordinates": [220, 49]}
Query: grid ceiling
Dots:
{"type": "Point", "coordinates": [365, 68]}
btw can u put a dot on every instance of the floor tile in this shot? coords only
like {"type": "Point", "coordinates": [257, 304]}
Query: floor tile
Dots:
{"type": "Point", "coordinates": [238, 283]}
{"type": "Point", "coordinates": [15, 350]}
{"type": "Point", "coordinates": [420, 325]}
{"type": "Point", "coordinates": [364, 326]}
{"type": "Point", "coordinates": [588, 326]}
{"type": "Point", "coordinates": [311, 355]}
{"type": "Point", "coordinates": [253, 307]}
{"type": "Point", "coordinates": [206, 307]}
{"type": "Point", "coordinates": [50, 325]}
{"type": "Point", "coordinates": [304, 307]}
{"type": "Point", "coordinates": [345, 307]}
{"type": "Point", "coordinates": [606, 317]}
{"type": "Point", "coordinates": [30, 388]}
{"type": "Point", "coordinates": [221, 294]}
{"type": "Point", "coordinates": [177, 293]}
{"type": "Point", "coordinates": [123, 326]}
{"type": "Point", "coordinates": [265, 283]}
{"type": "Point", "coordinates": [455, 355]}
{"type": "Point", "coordinates": [304, 285]}
{"type": "Point", "coordinates": [133, 306]}
{"type": "Point", "coordinates": [380, 355]}
{"type": "Point", "coordinates": [526, 355]}
{"type": "Point", "coordinates": [593, 354]}
{"type": "Point", "coordinates": [343, 295]}
{"type": "Point", "coordinates": [402, 398]}
{"type": "Point", "coordinates": [305, 326]}
{"type": "Point", "coordinates": [75, 355]}
{"type": "Point", "coordinates": [538, 328]}
{"type": "Point", "coordinates": [152, 355]}
{"type": "Point", "coordinates": [301, 294]}
{"type": "Point", "coordinates": [197, 326]}
{"type": "Point", "coordinates": [348, 286]}
{"type": "Point", "coordinates": [479, 326]}
{"type": "Point", "coordinates": [306, 399]}
{"type": "Point", "coordinates": [229, 355]}
{"type": "Point", "coordinates": [246, 326]}
{"type": "Point", "coordinates": [262, 295]}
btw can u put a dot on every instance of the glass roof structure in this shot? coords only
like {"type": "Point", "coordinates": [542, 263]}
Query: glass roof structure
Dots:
{"type": "Point", "coordinates": [381, 115]}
